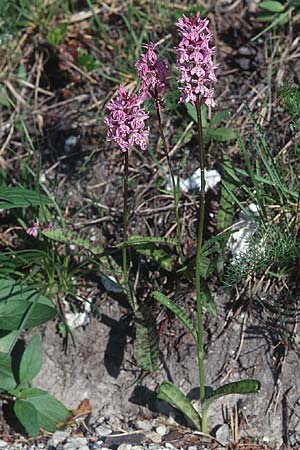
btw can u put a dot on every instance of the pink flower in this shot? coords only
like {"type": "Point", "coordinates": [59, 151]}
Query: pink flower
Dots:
{"type": "Point", "coordinates": [195, 60]}
{"type": "Point", "coordinates": [33, 231]}
{"type": "Point", "coordinates": [126, 121]}
{"type": "Point", "coordinates": [152, 72]}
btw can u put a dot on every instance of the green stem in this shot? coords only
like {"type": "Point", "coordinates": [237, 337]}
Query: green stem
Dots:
{"type": "Point", "coordinates": [174, 184]}
{"type": "Point", "coordinates": [125, 220]}
{"type": "Point", "coordinates": [198, 262]}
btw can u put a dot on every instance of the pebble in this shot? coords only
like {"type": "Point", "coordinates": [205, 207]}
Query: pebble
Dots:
{"type": "Point", "coordinates": [145, 425]}
{"type": "Point", "coordinates": [161, 430]}
{"type": "Point", "coordinates": [58, 436]}
{"type": "Point", "coordinates": [3, 444]}
{"type": "Point", "coordinates": [76, 443]}
{"type": "Point", "coordinates": [125, 447]}
{"type": "Point", "coordinates": [103, 430]}
{"type": "Point", "coordinates": [153, 436]}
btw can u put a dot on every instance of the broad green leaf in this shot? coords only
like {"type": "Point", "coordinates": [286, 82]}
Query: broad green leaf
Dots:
{"type": "Point", "coordinates": [72, 238]}
{"type": "Point", "coordinates": [272, 6]}
{"type": "Point", "coordinates": [171, 394]}
{"type": "Point", "coordinates": [50, 411]}
{"type": "Point", "coordinates": [15, 197]}
{"type": "Point", "coordinates": [7, 379]}
{"type": "Point", "coordinates": [7, 341]}
{"type": "Point", "coordinates": [147, 349]}
{"type": "Point", "coordinates": [14, 290]}
{"type": "Point", "coordinates": [31, 361]}
{"type": "Point", "coordinates": [21, 306]}
{"type": "Point", "coordinates": [13, 312]}
{"type": "Point", "coordinates": [27, 415]}
{"type": "Point", "coordinates": [242, 387]}
{"type": "Point", "coordinates": [221, 134]}
{"type": "Point", "coordinates": [167, 302]}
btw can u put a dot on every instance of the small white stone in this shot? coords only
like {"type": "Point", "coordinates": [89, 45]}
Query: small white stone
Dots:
{"type": "Point", "coordinates": [103, 430]}
{"type": "Point", "coordinates": [161, 430]}
{"type": "Point", "coordinates": [143, 424]}
{"type": "Point", "coordinates": [3, 444]}
{"type": "Point", "coordinates": [58, 436]}
{"type": "Point", "coordinates": [125, 447]}
{"type": "Point", "coordinates": [154, 437]}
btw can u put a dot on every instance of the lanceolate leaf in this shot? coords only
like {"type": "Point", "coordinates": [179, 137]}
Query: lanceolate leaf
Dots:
{"type": "Point", "coordinates": [147, 348]}
{"type": "Point", "coordinates": [138, 240]}
{"type": "Point", "coordinates": [160, 256]}
{"type": "Point", "coordinates": [167, 302]}
{"type": "Point", "coordinates": [171, 394]}
{"type": "Point", "coordinates": [27, 415]}
{"type": "Point", "coordinates": [50, 411]}
{"type": "Point", "coordinates": [15, 197]}
{"type": "Point", "coordinates": [31, 361]}
{"type": "Point", "coordinates": [72, 238]}
{"type": "Point", "coordinates": [237, 387]}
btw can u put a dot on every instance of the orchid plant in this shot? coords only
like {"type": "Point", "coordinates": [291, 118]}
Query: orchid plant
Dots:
{"type": "Point", "coordinates": [126, 127]}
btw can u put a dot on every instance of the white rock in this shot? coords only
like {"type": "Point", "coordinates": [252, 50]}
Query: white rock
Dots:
{"type": "Point", "coordinates": [153, 436]}
{"type": "Point", "coordinates": [145, 425]}
{"type": "Point", "coordinates": [222, 434]}
{"type": "Point", "coordinates": [3, 444]}
{"type": "Point", "coordinates": [103, 430]}
{"type": "Point", "coordinates": [125, 447]}
{"type": "Point", "coordinates": [58, 437]}
{"type": "Point", "coordinates": [76, 320]}
{"type": "Point", "coordinates": [245, 227]}
{"type": "Point", "coordinates": [193, 183]}
{"type": "Point", "coordinates": [161, 430]}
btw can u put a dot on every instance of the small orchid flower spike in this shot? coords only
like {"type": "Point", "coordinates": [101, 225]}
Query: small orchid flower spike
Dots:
{"type": "Point", "coordinates": [126, 121]}
{"type": "Point", "coordinates": [195, 60]}
{"type": "Point", "coordinates": [153, 72]}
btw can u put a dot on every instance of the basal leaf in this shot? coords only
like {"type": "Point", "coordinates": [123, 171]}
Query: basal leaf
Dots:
{"type": "Point", "coordinates": [218, 117]}
{"type": "Point", "coordinates": [171, 394]}
{"type": "Point", "coordinates": [72, 238]}
{"type": "Point", "coordinates": [167, 302]}
{"type": "Point", "coordinates": [27, 415]}
{"type": "Point", "coordinates": [147, 347]}
{"type": "Point", "coordinates": [160, 256]}
{"type": "Point", "coordinates": [31, 361]}
{"type": "Point", "coordinates": [139, 240]}
{"type": "Point", "coordinates": [15, 197]}
{"type": "Point", "coordinates": [242, 387]}
{"type": "Point", "coordinates": [221, 134]}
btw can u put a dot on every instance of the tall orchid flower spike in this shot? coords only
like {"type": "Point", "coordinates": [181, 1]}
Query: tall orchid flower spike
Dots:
{"type": "Point", "coordinates": [126, 121]}
{"type": "Point", "coordinates": [153, 72]}
{"type": "Point", "coordinates": [195, 60]}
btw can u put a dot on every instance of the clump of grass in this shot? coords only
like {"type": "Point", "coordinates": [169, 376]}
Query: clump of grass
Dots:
{"type": "Point", "coordinates": [290, 96]}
